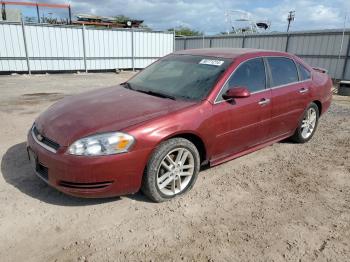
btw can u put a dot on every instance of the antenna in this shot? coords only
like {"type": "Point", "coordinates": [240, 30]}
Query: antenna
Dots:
{"type": "Point", "coordinates": [290, 18]}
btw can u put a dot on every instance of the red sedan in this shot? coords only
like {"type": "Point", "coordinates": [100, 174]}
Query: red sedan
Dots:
{"type": "Point", "coordinates": [189, 109]}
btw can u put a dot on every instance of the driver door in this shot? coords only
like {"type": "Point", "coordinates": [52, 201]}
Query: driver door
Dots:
{"type": "Point", "coordinates": [242, 123]}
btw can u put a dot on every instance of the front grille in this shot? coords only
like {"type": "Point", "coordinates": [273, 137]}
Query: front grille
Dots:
{"type": "Point", "coordinates": [42, 171]}
{"type": "Point", "coordinates": [96, 185]}
{"type": "Point", "coordinates": [46, 141]}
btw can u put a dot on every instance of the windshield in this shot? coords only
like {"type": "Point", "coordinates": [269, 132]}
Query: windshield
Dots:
{"type": "Point", "coordinates": [180, 76]}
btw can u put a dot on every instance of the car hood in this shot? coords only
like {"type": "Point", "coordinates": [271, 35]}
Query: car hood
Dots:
{"type": "Point", "coordinates": [103, 110]}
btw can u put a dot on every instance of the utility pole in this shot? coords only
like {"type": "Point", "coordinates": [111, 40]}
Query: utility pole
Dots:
{"type": "Point", "coordinates": [38, 13]}
{"type": "Point", "coordinates": [70, 14]}
{"type": "Point", "coordinates": [290, 18]}
{"type": "Point", "coordinates": [3, 10]}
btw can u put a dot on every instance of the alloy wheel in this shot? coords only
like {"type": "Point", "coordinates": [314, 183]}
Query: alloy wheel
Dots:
{"type": "Point", "coordinates": [309, 123]}
{"type": "Point", "coordinates": [175, 171]}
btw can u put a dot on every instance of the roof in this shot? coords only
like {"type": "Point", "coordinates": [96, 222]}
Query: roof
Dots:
{"type": "Point", "coordinates": [225, 52]}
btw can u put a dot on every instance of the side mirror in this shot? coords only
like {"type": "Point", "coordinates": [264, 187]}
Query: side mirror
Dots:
{"type": "Point", "coordinates": [236, 92]}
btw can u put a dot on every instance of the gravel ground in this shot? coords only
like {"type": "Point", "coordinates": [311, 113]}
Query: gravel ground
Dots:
{"type": "Point", "coordinates": [287, 202]}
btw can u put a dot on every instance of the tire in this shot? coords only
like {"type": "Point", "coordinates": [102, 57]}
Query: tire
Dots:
{"type": "Point", "coordinates": [160, 170]}
{"type": "Point", "coordinates": [300, 135]}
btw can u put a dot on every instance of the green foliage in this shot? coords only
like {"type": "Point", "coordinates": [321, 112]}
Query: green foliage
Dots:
{"type": "Point", "coordinates": [145, 27]}
{"type": "Point", "coordinates": [122, 19]}
{"type": "Point", "coordinates": [186, 31]}
{"type": "Point", "coordinates": [30, 19]}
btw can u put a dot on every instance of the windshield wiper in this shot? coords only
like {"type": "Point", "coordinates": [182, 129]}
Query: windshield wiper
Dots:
{"type": "Point", "coordinates": [127, 85]}
{"type": "Point", "coordinates": [153, 93]}
{"type": "Point", "coordinates": [149, 92]}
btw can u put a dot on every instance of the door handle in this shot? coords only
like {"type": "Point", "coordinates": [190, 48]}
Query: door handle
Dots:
{"type": "Point", "coordinates": [264, 101]}
{"type": "Point", "coordinates": [303, 90]}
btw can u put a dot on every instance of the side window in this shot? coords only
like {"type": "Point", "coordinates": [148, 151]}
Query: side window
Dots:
{"type": "Point", "coordinates": [249, 74]}
{"type": "Point", "coordinates": [283, 71]}
{"type": "Point", "coordinates": [304, 72]}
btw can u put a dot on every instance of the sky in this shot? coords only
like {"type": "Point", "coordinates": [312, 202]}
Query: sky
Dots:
{"type": "Point", "coordinates": [209, 16]}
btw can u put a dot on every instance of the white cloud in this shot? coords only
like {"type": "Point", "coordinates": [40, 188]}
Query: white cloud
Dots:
{"type": "Point", "coordinates": [208, 16]}
{"type": "Point", "coordinates": [308, 14]}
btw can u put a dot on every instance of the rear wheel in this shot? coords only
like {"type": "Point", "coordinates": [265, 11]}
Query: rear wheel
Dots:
{"type": "Point", "coordinates": [172, 170]}
{"type": "Point", "coordinates": [307, 125]}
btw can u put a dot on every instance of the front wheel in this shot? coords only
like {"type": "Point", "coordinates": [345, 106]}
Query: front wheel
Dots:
{"type": "Point", "coordinates": [307, 125]}
{"type": "Point", "coordinates": [172, 170]}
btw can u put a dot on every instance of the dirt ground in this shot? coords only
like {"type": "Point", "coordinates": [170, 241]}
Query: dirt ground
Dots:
{"type": "Point", "coordinates": [286, 202]}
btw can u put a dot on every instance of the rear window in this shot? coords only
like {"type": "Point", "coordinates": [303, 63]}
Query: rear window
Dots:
{"type": "Point", "coordinates": [283, 71]}
{"type": "Point", "coordinates": [304, 72]}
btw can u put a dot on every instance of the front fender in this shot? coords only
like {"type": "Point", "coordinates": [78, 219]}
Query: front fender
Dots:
{"type": "Point", "coordinates": [193, 121]}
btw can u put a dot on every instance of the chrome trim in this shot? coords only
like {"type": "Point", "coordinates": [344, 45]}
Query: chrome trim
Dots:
{"type": "Point", "coordinates": [222, 87]}
{"type": "Point", "coordinates": [303, 90]}
{"type": "Point", "coordinates": [264, 102]}
{"type": "Point", "coordinates": [292, 83]}
{"type": "Point", "coordinates": [52, 150]}
{"type": "Point", "coordinates": [266, 89]}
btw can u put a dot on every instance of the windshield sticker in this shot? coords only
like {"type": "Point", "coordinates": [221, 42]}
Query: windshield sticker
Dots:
{"type": "Point", "coordinates": [211, 62]}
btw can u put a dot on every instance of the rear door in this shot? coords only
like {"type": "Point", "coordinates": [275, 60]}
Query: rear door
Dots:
{"type": "Point", "coordinates": [289, 96]}
{"type": "Point", "coordinates": [243, 122]}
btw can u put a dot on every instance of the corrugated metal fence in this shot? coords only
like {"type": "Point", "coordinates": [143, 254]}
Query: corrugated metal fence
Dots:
{"type": "Point", "coordinates": [38, 47]}
{"type": "Point", "coordinates": [327, 49]}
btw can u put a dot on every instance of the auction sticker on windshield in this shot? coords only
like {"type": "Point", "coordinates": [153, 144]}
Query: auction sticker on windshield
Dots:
{"type": "Point", "coordinates": [211, 62]}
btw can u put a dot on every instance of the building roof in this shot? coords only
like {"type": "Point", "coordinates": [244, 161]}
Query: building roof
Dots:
{"type": "Point", "coordinates": [225, 52]}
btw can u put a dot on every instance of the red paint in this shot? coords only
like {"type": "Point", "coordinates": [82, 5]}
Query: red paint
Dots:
{"type": "Point", "coordinates": [237, 92]}
{"type": "Point", "coordinates": [228, 129]}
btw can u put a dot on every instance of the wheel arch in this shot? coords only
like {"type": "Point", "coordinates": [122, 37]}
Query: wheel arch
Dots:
{"type": "Point", "coordinates": [196, 140]}
{"type": "Point", "coordinates": [319, 105]}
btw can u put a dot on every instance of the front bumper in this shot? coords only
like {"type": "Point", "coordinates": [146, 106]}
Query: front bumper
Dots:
{"type": "Point", "coordinates": [103, 176]}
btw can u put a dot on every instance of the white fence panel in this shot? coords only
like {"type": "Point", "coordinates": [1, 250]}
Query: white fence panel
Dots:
{"type": "Point", "coordinates": [54, 48]}
{"type": "Point", "coordinates": [108, 49]}
{"type": "Point", "coordinates": [73, 48]}
{"type": "Point", "coordinates": [149, 46]}
{"type": "Point", "coordinates": [12, 48]}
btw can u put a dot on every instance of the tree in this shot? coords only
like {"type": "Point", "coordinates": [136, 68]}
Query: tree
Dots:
{"type": "Point", "coordinates": [122, 19]}
{"type": "Point", "coordinates": [185, 31]}
{"type": "Point", "coordinates": [30, 19]}
{"type": "Point", "coordinates": [145, 27]}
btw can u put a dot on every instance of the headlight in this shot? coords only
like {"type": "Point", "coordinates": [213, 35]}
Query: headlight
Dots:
{"type": "Point", "coordinates": [102, 144]}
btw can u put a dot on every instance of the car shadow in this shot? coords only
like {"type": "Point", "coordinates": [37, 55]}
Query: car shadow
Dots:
{"type": "Point", "coordinates": [287, 141]}
{"type": "Point", "coordinates": [17, 171]}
